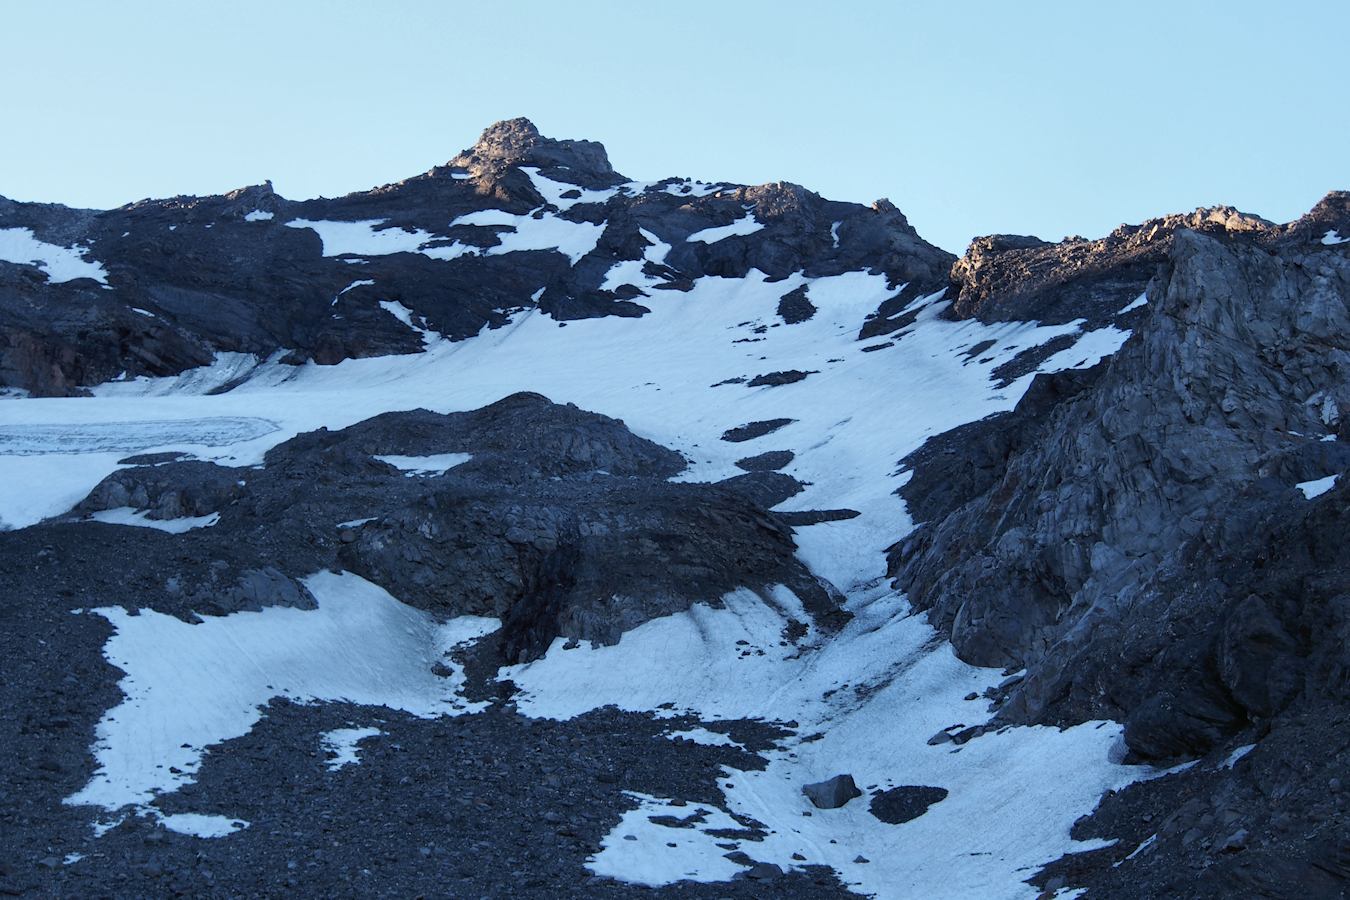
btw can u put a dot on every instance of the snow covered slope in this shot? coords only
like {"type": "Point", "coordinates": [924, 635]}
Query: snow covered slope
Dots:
{"type": "Point", "coordinates": [878, 690]}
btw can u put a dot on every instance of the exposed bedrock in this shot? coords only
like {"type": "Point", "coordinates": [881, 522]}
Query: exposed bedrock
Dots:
{"type": "Point", "coordinates": [1146, 539]}
{"type": "Point", "coordinates": [1103, 505]}
{"type": "Point", "coordinates": [1009, 277]}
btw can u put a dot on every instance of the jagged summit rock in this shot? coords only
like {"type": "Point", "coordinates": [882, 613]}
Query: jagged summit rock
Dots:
{"type": "Point", "coordinates": [517, 142]}
{"type": "Point", "coordinates": [1008, 277]}
{"type": "Point", "coordinates": [1330, 214]}
{"type": "Point", "coordinates": [257, 201]}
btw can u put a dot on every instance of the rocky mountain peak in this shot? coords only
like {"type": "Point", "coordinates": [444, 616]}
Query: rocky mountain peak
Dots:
{"type": "Point", "coordinates": [509, 139]}
{"type": "Point", "coordinates": [252, 191]}
{"type": "Point", "coordinates": [778, 198]}
{"type": "Point", "coordinates": [1330, 214]}
{"type": "Point", "coordinates": [254, 198]}
{"type": "Point", "coordinates": [1004, 276]}
{"type": "Point", "coordinates": [517, 142]}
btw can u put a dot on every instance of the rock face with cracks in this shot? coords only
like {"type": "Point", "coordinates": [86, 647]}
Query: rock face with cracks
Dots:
{"type": "Point", "coordinates": [1132, 535]}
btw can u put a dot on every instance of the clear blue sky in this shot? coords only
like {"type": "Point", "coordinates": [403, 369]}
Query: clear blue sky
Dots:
{"type": "Point", "coordinates": [973, 117]}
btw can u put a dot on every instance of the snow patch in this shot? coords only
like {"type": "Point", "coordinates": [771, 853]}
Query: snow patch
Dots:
{"type": "Point", "coordinates": [19, 245]}
{"type": "Point", "coordinates": [188, 687]}
{"type": "Point", "coordinates": [405, 315]}
{"type": "Point", "coordinates": [630, 271]}
{"type": "Point", "coordinates": [1317, 487]}
{"type": "Point", "coordinates": [1333, 237]}
{"type": "Point", "coordinates": [126, 515]}
{"type": "Point", "coordinates": [704, 736]}
{"type": "Point", "coordinates": [202, 826]}
{"type": "Point", "coordinates": [1091, 348]}
{"type": "Point", "coordinates": [258, 215]}
{"type": "Point", "coordinates": [531, 231]}
{"type": "Point", "coordinates": [361, 282]}
{"type": "Point", "coordinates": [747, 224]}
{"type": "Point", "coordinates": [1141, 300]}
{"type": "Point", "coordinates": [435, 464]}
{"type": "Point", "coordinates": [552, 191]}
{"type": "Point", "coordinates": [687, 188]}
{"type": "Point", "coordinates": [342, 743]}
{"type": "Point", "coordinates": [1236, 755]}
{"type": "Point", "coordinates": [364, 237]}
{"type": "Point", "coordinates": [640, 851]}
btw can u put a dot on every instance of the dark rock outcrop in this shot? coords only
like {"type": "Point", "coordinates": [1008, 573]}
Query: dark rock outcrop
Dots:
{"type": "Point", "coordinates": [561, 522]}
{"type": "Point", "coordinates": [1132, 535]}
{"type": "Point", "coordinates": [831, 793]}
{"type": "Point", "coordinates": [1003, 277]}
{"type": "Point", "coordinates": [769, 461]}
{"type": "Point", "coordinates": [751, 430]}
{"type": "Point", "coordinates": [1201, 422]}
{"type": "Point", "coordinates": [905, 803]}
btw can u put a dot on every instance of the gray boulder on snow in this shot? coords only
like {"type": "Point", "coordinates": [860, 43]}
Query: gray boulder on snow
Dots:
{"type": "Point", "coordinates": [832, 793]}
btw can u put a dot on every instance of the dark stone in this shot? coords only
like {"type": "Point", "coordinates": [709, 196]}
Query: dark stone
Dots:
{"type": "Point", "coordinates": [766, 462]}
{"type": "Point", "coordinates": [774, 379]}
{"type": "Point", "coordinates": [902, 804]}
{"type": "Point", "coordinates": [752, 430]}
{"type": "Point", "coordinates": [762, 871]}
{"type": "Point", "coordinates": [802, 517]}
{"type": "Point", "coordinates": [831, 793]}
{"type": "Point", "coordinates": [794, 307]}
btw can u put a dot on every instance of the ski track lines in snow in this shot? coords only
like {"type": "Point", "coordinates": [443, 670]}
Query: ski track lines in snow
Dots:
{"type": "Point", "coordinates": [1013, 795]}
{"type": "Point", "coordinates": [189, 686]}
